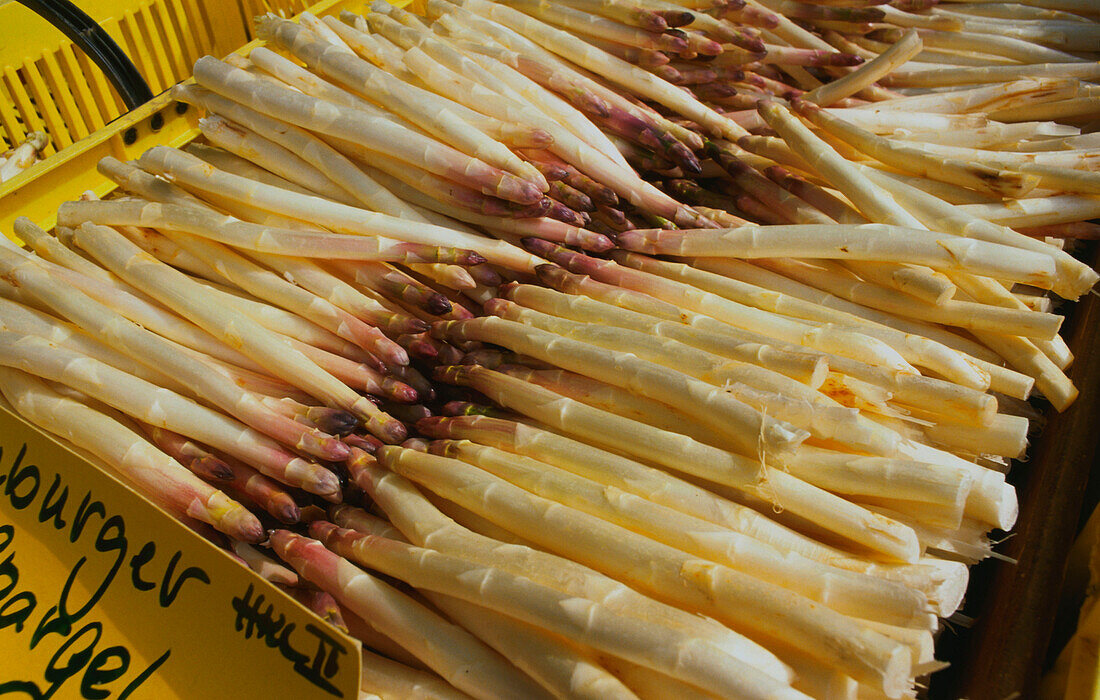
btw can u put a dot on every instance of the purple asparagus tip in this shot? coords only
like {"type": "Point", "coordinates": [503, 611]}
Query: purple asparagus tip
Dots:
{"type": "Point", "coordinates": [409, 414]}
{"type": "Point", "coordinates": [418, 347]}
{"type": "Point", "coordinates": [332, 421]}
{"type": "Point", "coordinates": [538, 246]}
{"type": "Point", "coordinates": [448, 354]}
{"type": "Point", "coordinates": [675, 40]}
{"type": "Point", "coordinates": [399, 391]}
{"type": "Point", "coordinates": [213, 468]}
{"type": "Point", "coordinates": [676, 18]}
{"type": "Point", "coordinates": [564, 214]}
{"type": "Point", "coordinates": [367, 443]}
{"type": "Point", "coordinates": [251, 531]}
{"type": "Point", "coordinates": [551, 172]}
{"type": "Point", "coordinates": [551, 275]}
{"type": "Point", "coordinates": [288, 513]}
{"type": "Point", "coordinates": [394, 432]}
{"type": "Point", "coordinates": [485, 275]}
{"type": "Point", "coordinates": [437, 304]}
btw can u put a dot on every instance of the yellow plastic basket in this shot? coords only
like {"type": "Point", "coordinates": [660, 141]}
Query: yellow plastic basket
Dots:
{"type": "Point", "coordinates": [41, 88]}
{"type": "Point", "coordinates": [47, 84]}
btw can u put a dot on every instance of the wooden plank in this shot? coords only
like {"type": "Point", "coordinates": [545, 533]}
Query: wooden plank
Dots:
{"type": "Point", "coordinates": [1014, 605]}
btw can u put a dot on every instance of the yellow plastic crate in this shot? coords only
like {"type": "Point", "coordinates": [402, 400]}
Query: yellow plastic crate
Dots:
{"type": "Point", "coordinates": [48, 84]}
{"type": "Point", "coordinates": [70, 170]}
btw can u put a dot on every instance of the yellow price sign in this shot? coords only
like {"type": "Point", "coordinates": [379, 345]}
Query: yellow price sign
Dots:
{"type": "Point", "coordinates": [102, 595]}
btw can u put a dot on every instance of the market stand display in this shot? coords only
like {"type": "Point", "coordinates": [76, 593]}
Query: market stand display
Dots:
{"type": "Point", "coordinates": [811, 393]}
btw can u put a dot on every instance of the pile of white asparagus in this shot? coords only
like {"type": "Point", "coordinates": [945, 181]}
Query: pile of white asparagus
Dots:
{"type": "Point", "coordinates": [596, 349]}
{"type": "Point", "coordinates": [23, 156]}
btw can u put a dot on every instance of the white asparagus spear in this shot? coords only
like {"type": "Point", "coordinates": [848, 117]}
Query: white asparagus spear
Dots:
{"type": "Point", "coordinates": [162, 407]}
{"type": "Point", "coordinates": [848, 595]}
{"type": "Point", "coordinates": [315, 301]}
{"type": "Point", "coordinates": [303, 80]}
{"type": "Point", "coordinates": [573, 617]}
{"type": "Point", "coordinates": [50, 248]}
{"type": "Point", "coordinates": [543, 227]}
{"type": "Point", "coordinates": [917, 281]}
{"type": "Point", "coordinates": [946, 77]}
{"type": "Point", "coordinates": [1073, 277]}
{"type": "Point", "coordinates": [266, 567]}
{"type": "Point", "coordinates": [378, 134]}
{"type": "Point", "coordinates": [1040, 211]}
{"type": "Point", "coordinates": [824, 160]}
{"type": "Point", "coordinates": [859, 475]}
{"type": "Point", "coordinates": [990, 501]}
{"type": "Point", "coordinates": [837, 279]}
{"type": "Point", "coordinates": [311, 149]}
{"type": "Point", "coordinates": [587, 159]}
{"type": "Point", "coordinates": [1018, 351]}
{"type": "Point", "coordinates": [19, 318]}
{"type": "Point", "coordinates": [619, 472]}
{"type": "Point", "coordinates": [987, 291]}
{"type": "Point", "coordinates": [650, 316]}
{"type": "Point", "coordinates": [749, 429]}
{"type": "Point", "coordinates": [966, 363]}
{"type": "Point", "coordinates": [265, 239]}
{"type": "Point", "coordinates": [617, 552]}
{"type": "Point", "coordinates": [231, 163]}
{"type": "Point", "coordinates": [424, 523]}
{"type": "Point", "coordinates": [395, 679]}
{"type": "Point", "coordinates": [181, 293]}
{"type": "Point", "coordinates": [874, 70]}
{"type": "Point", "coordinates": [452, 652]}
{"type": "Point", "coordinates": [651, 685]}
{"type": "Point", "coordinates": [355, 31]}
{"type": "Point", "coordinates": [138, 308]}
{"type": "Point", "coordinates": [161, 354]}
{"type": "Point", "coordinates": [23, 155]}
{"type": "Point", "coordinates": [1006, 435]}
{"type": "Point", "coordinates": [190, 173]}
{"type": "Point", "coordinates": [911, 157]}
{"type": "Point", "coordinates": [726, 277]}
{"type": "Point", "coordinates": [684, 455]}
{"type": "Point", "coordinates": [882, 242]}
{"type": "Point", "coordinates": [396, 95]}
{"type": "Point", "coordinates": [611, 67]}
{"type": "Point", "coordinates": [312, 25]}
{"type": "Point", "coordinates": [825, 337]}
{"type": "Point", "coordinates": [984, 98]}
{"type": "Point", "coordinates": [245, 143]}
{"type": "Point", "coordinates": [774, 394]}
{"type": "Point", "coordinates": [550, 103]}
{"type": "Point", "coordinates": [805, 367]}
{"type": "Point", "coordinates": [1078, 156]}
{"type": "Point", "coordinates": [479, 31]}
{"type": "Point", "coordinates": [560, 667]}
{"type": "Point", "coordinates": [512, 84]}
{"type": "Point", "coordinates": [158, 245]}
{"type": "Point", "coordinates": [279, 320]}
{"type": "Point", "coordinates": [159, 476]}
{"type": "Point", "coordinates": [409, 19]}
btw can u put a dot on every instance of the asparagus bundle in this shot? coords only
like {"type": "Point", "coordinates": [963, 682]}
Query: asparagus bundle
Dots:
{"type": "Point", "coordinates": [798, 420]}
